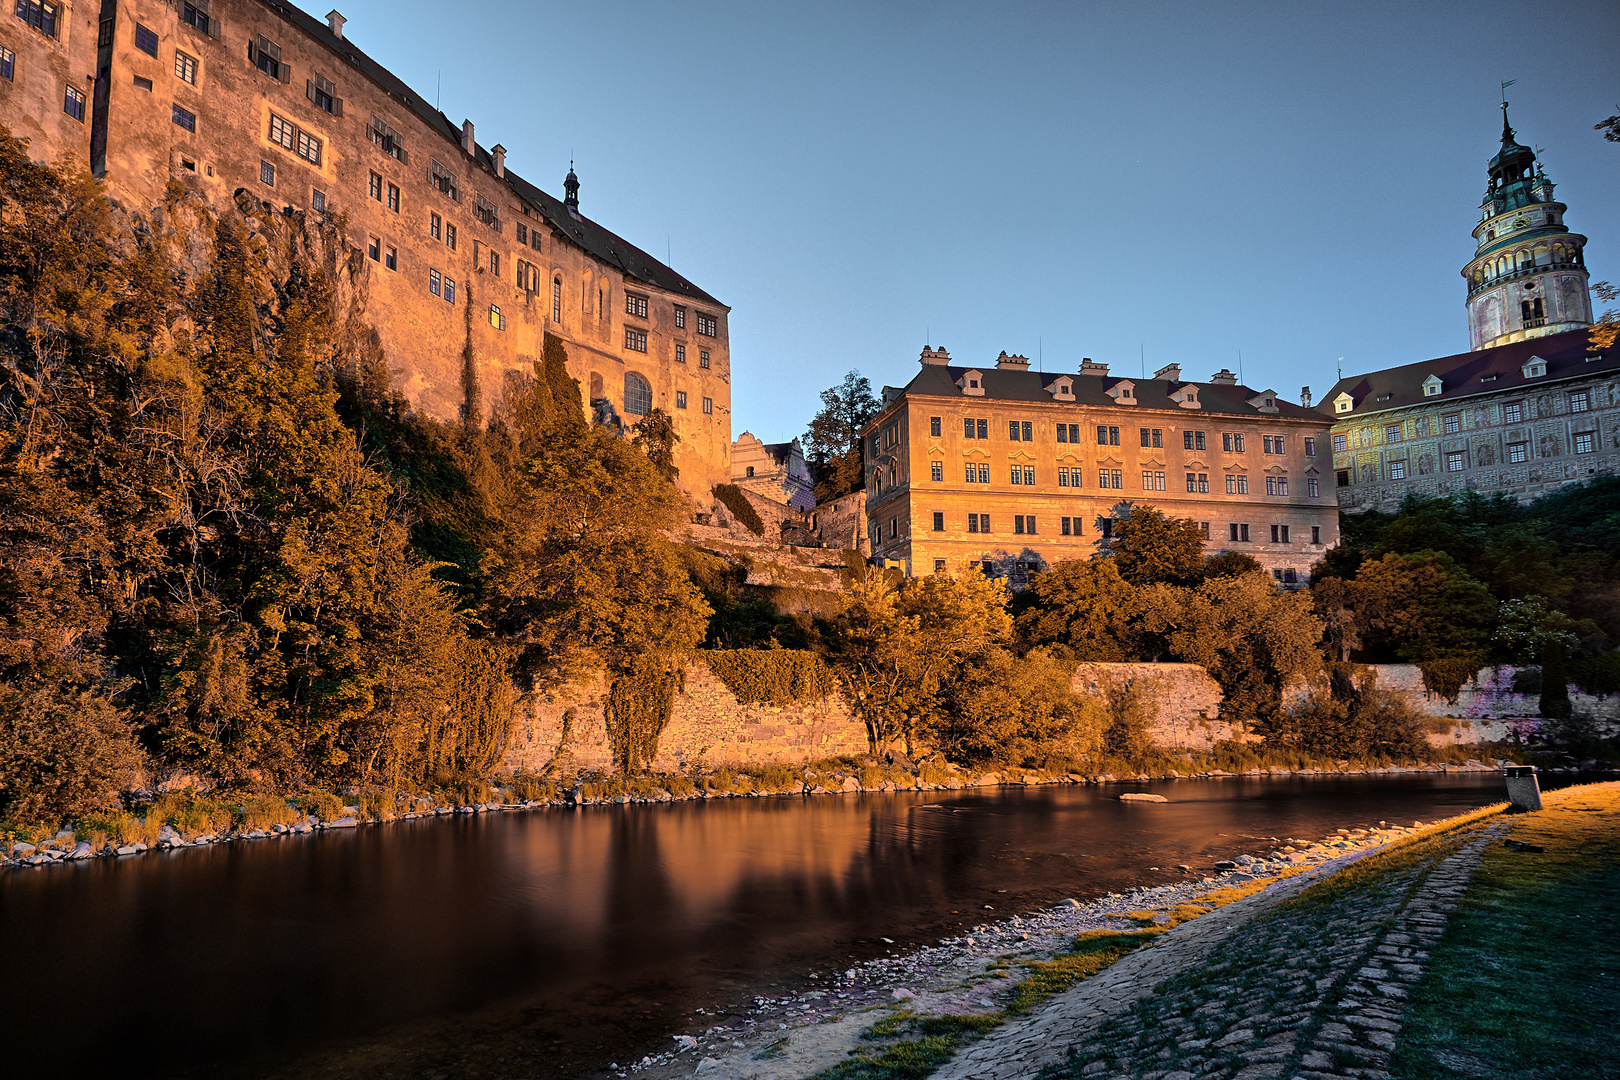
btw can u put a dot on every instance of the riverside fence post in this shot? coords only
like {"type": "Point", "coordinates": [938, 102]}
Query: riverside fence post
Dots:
{"type": "Point", "coordinates": [1524, 791]}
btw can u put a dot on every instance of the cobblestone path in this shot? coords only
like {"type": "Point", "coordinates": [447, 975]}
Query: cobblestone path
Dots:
{"type": "Point", "coordinates": [1251, 991]}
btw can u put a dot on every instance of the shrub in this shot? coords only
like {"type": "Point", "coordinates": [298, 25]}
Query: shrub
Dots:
{"type": "Point", "coordinates": [772, 676]}
{"type": "Point", "coordinates": [191, 814]}
{"type": "Point", "coordinates": [269, 810]}
{"type": "Point", "coordinates": [1447, 676]}
{"type": "Point", "coordinates": [732, 498]}
{"type": "Point", "coordinates": [323, 805]}
{"type": "Point", "coordinates": [1597, 675]}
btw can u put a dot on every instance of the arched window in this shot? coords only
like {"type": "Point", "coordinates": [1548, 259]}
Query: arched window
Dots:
{"type": "Point", "coordinates": [556, 300]}
{"type": "Point", "coordinates": [637, 395]}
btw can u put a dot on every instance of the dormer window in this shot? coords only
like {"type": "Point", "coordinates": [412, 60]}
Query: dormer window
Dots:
{"type": "Point", "coordinates": [1063, 389]}
{"type": "Point", "coordinates": [1123, 393]}
{"type": "Point", "coordinates": [1343, 403]}
{"type": "Point", "coordinates": [1534, 368]}
{"type": "Point", "coordinates": [1432, 386]}
{"type": "Point", "coordinates": [1187, 397]}
{"type": "Point", "coordinates": [972, 383]}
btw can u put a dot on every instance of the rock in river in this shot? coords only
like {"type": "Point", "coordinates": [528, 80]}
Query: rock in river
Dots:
{"type": "Point", "coordinates": [1141, 796]}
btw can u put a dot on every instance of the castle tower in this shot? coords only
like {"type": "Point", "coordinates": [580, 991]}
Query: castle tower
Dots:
{"type": "Point", "coordinates": [1528, 277]}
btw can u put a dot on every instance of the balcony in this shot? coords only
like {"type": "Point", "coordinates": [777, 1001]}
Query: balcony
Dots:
{"type": "Point", "coordinates": [1531, 324]}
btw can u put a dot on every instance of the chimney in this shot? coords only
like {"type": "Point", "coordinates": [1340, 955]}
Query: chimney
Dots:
{"type": "Point", "coordinates": [334, 22]}
{"type": "Point", "coordinates": [467, 143]}
{"type": "Point", "coordinates": [1016, 363]}
{"type": "Point", "coordinates": [1171, 372]}
{"type": "Point", "coordinates": [935, 356]}
{"type": "Point", "coordinates": [1091, 367]}
{"type": "Point", "coordinates": [1223, 378]}
{"type": "Point", "coordinates": [1305, 396]}
{"type": "Point", "coordinates": [498, 155]}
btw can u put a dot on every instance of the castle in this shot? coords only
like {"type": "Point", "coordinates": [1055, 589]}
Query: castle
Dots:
{"type": "Point", "coordinates": [1535, 405]}
{"type": "Point", "coordinates": [468, 265]}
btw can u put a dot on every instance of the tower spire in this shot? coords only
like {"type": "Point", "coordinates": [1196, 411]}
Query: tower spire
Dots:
{"type": "Point", "coordinates": [1507, 129]}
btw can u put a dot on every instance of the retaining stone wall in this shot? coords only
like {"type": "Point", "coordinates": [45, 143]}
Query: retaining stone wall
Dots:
{"type": "Point", "coordinates": [1187, 700]}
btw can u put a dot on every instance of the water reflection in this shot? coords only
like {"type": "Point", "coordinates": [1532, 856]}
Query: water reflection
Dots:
{"type": "Point", "coordinates": [548, 943]}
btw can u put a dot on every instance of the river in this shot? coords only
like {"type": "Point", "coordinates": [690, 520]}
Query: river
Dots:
{"type": "Point", "coordinates": [549, 943]}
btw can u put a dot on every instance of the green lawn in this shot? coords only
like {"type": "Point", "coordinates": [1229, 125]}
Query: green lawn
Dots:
{"type": "Point", "coordinates": [1525, 985]}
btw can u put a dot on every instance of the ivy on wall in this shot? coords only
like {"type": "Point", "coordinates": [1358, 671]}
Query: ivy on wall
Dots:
{"type": "Point", "coordinates": [772, 676]}
{"type": "Point", "coordinates": [637, 710]}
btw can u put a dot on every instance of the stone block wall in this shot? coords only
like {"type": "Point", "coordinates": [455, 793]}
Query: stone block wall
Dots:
{"type": "Point", "coordinates": [1186, 701]}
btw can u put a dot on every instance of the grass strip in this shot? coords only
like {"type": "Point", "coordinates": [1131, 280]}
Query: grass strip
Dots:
{"type": "Point", "coordinates": [1525, 983]}
{"type": "Point", "coordinates": [935, 1041]}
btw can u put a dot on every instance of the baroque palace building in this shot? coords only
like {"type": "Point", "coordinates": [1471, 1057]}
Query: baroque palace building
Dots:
{"type": "Point", "coordinates": [256, 99]}
{"type": "Point", "coordinates": [1014, 470]}
{"type": "Point", "coordinates": [1535, 405]}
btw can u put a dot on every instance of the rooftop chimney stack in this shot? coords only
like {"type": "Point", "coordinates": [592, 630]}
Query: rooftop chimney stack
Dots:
{"type": "Point", "coordinates": [467, 143]}
{"type": "Point", "coordinates": [1305, 396]}
{"type": "Point", "coordinates": [1088, 366]}
{"type": "Point", "coordinates": [335, 22]}
{"type": "Point", "coordinates": [1016, 363]}
{"type": "Point", "coordinates": [1223, 378]}
{"type": "Point", "coordinates": [497, 154]}
{"type": "Point", "coordinates": [935, 356]}
{"type": "Point", "coordinates": [1172, 372]}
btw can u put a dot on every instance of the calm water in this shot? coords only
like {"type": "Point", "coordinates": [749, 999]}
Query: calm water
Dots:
{"type": "Point", "coordinates": [546, 944]}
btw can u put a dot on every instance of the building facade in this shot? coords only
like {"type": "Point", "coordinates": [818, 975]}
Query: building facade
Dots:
{"type": "Point", "coordinates": [256, 99]}
{"type": "Point", "coordinates": [774, 470]}
{"type": "Point", "coordinates": [1014, 470]}
{"type": "Point", "coordinates": [1534, 406]}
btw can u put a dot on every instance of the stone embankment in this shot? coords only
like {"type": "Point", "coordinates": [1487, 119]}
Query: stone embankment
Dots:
{"type": "Point", "coordinates": [66, 847]}
{"type": "Point", "coordinates": [975, 975]}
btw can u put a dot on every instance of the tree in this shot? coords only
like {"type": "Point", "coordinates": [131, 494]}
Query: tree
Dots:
{"type": "Point", "coordinates": [1607, 327]}
{"type": "Point", "coordinates": [1422, 606]}
{"type": "Point", "coordinates": [900, 639]}
{"type": "Point", "coordinates": [833, 445]}
{"type": "Point", "coordinates": [1002, 710]}
{"type": "Point", "coordinates": [1149, 547]}
{"type": "Point", "coordinates": [1085, 605]}
{"type": "Point", "coordinates": [1230, 564]}
{"type": "Point", "coordinates": [655, 436]}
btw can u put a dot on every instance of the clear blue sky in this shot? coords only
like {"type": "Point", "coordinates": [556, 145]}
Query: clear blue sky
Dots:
{"type": "Point", "coordinates": [1297, 181]}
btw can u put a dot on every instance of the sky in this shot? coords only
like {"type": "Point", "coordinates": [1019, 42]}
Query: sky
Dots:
{"type": "Point", "coordinates": [1141, 184]}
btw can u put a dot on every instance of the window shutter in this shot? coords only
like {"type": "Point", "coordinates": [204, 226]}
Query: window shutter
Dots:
{"type": "Point", "coordinates": [286, 73]}
{"type": "Point", "coordinates": [337, 106]}
{"type": "Point", "coordinates": [252, 56]}
{"type": "Point", "coordinates": [309, 89]}
{"type": "Point", "coordinates": [214, 29]}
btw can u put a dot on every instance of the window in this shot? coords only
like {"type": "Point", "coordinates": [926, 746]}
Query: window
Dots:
{"type": "Point", "coordinates": [496, 319]}
{"type": "Point", "coordinates": [267, 58]}
{"type": "Point", "coordinates": [317, 200]}
{"type": "Point", "coordinates": [680, 317]}
{"type": "Point", "coordinates": [1238, 533]}
{"type": "Point", "coordinates": [1152, 481]}
{"type": "Point", "coordinates": [267, 174]}
{"type": "Point", "coordinates": [1107, 526]}
{"type": "Point", "coordinates": [1279, 534]}
{"type": "Point", "coordinates": [1193, 440]}
{"type": "Point", "coordinates": [1020, 431]}
{"type": "Point", "coordinates": [939, 566]}
{"type": "Point", "coordinates": [374, 249]}
{"type": "Point", "coordinates": [495, 264]}
{"type": "Point", "coordinates": [449, 236]}
{"type": "Point", "coordinates": [1340, 443]}
{"type": "Point", "coordinates": [1070, 526]}
{"type": "Point", "coordinates": [1237, 485]}
{"type": "Point", "coordinates": [486, 212]}
{"type": "Point", "coordinates": [1107, 436]}
{"type": "Point", "coordinates": [635, 339]}
{"type": "Point", "coordinates": [933, 426]}
{"type": "Point", "coordinates": [449, 291]}
{"type": "Point", "coordinates": [391, 260]}
{"type": "Point", "coordinates": [1232, 442]}
{"type": "Point", "coordinates": [196, 15]}
{"type": "Point", "coordinates": [1068, 477]}
{"type": "Point", "coordinates": [638, 395]}
{"type": "Point", "coordinates": [1276, 485]}
{"type": "Point", "coordinates": [635, 305]}
{"type": "Point", "coordinates": [185, 67]}
{"type": "Point", "coordinates": [939, 526]}
{"type": "Point", "coordinates": [1585, 442]}
{"type": "Point", "coordinates": [680, 403]}
{"type": "Point", "coordinates": [1397, 470]}
{"type": "Point", "coordinates": [1453, 424]}
{"type": "Point", "coordinates": [73, 103]}
{"type": "Point", "coordinates": [703, 358]}
{"type": "Point", "coordinates": [183, 118]}
{"type": "Point", "coordinates": [1024, 524]}
{"type": "Point", "coordinates": [707, 325]}
{"type": "Point", "coordinates": [556, 300]}
{"type": "Point", "coordinates": [708, 405]}
{"type": "Point", "coordinates": [973, 523]}
{"type": "Point", "coordinates": [1313, 487]}
{"type": "Point", "coordinates": [1152, 436]}
{"type": "Point", "coordinates": [1392, 433]}
{"type": "Point", "coordinates": [1111, 478]}
{"type": "Point", "coordinates": [376, 187]}
{"type": "Point", "coordinates": [41, 16]}
{"type": "Point", "coordinates": [443, 179]}
{"type": "Point", "coordinates": [323, 95]}
{"type": "Point", "coordinates": [393, 198]}
{"type": "Point", "coordinates": [1273, 444]}
{"type": "Point", "coordinates": [1518, 452]}
{"type": "Point", "coordinates": [680, 353]}
{"type": "Point", "coordinates": [522, 233]}
{"type": "Point", "coordinates": [433, 282]}
{"type": "Point", "coordinates": [145, 40]}
{"type": "Point", "coordinates": [1513, 413]}
{"type": "Point", "coordinates": [1197, 482]}
{"type": "Point", "coordinates": [936, 471]}
{"type": "Point", "coordinates": [1454, 463]}
{"type": "Point", "coordinates": [1579, 401]}
{"type": "Point", "coordinates": [8, 64]}
{"type": "Point", "coordinates": [289, 136]}
{"type": "Point", "coordinates": [1029, 476]}
{"type": "Point", "coordinates": [435, 226]}
{"type": "Point", "coordinates": [143, 83]}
